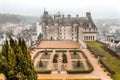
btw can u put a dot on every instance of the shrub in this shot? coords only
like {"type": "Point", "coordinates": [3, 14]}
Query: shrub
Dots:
{"type": "Point", "coordinates": [64, 55]}
{"type": "Point", "coordinates": [61, 51]}
{"type": "Point", "coordinates": [40, 64]}
{"type": "Point", "coordinates": [107, 66]}
{"type": "Point", "coordinates": [55, 56]}
{"type": "Point", "coordinates": [64, 60]}
{"type": "Point", "coordinates": [78, 63]}
{"type": "Point", "coordinates": [55, 60]}
{"type": "Point", "coordinates": [78, 71]}
{"type": "Point", "coordinates": [43, 71]}
{"type": "Point", "coordinates": [37, 54]}
{"type": "Point", "coordinates": [85, 56]}
{"type": "Point", "coordinates": [75, 50]}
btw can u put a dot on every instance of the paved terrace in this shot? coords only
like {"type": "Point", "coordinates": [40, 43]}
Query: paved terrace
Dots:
{"type": "Point", "coordinates": [58, 44]}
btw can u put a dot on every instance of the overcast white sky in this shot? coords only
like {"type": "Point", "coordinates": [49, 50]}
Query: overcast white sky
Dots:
{"type": "Point", "coordinates": [98, 8]}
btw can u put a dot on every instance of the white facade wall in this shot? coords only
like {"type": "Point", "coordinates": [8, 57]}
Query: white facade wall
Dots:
{"type": "Point", "coordinates": [68, 33]}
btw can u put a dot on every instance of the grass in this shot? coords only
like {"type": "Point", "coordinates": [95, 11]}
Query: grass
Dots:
{"type": "Point", "coordinates": [75, 56]}
{"type": "Point", "coordinates": [111, 60]}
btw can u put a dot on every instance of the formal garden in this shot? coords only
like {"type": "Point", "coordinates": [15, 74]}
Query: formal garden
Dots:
{"type": "Point", "coordinates": [58, 60]}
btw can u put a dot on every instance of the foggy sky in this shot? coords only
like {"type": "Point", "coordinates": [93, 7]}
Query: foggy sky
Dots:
{"type": "Point", "coordinates": [98, 8]}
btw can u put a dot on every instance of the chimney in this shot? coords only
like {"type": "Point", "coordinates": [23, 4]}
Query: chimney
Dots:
{"type": "Point", "coordinates": [69, 16]}
{"type": "Point", "coordinates": [59, 15]}
{"type": "Point", "coordinates": [88, 14]}
{"type": "Point", "coordinates": [77, 15]}
{"type": "Point", "coordinates": [45, 13]}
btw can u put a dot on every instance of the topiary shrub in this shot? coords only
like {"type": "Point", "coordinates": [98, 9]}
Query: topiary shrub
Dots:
{"type": "Point", "coordinates": [64, 60]}
{"type": "Point", "coordinates": [55, 60]}
{"type": "Point", "coordinates": [55, 56]}
{"type": "Point", "coordinates": [64, 55]}
{"type": "Point", "coordinates": [78, 63]}
{"type": "Point", "coordinates": [46, 52]}
{"type": "Point", "coordinates": [75, 52]}
{"type": "Point", "coordinates": [40, 64]}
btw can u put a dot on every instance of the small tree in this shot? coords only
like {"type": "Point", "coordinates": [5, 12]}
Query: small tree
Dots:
{"type": "Point", "coordinates": [55, 60]}
{"type": "Point", "coordinates": [64, 60]}
{"type": "Point", "coordinates": [40, 64]}
{"type": "Point", "coordinates": [78, 63]}
{"type": "Point", "coordinates": [75, 52]}
{"type": "Point", "coordinates": [64, 55]}
{"type": "Point", "coordinates": [46, 52]}
{"type": "Point", "coordinates": [55, 56]}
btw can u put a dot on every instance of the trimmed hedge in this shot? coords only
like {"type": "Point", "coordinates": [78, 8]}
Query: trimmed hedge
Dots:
{"type": "Point", "coordinates": [47, 51]}
{"type": "Point", "coordinates": [85, 56]}
{"type": "Point", "coordinates": [74, 50]}
{"type": "Point", "coordinates": [113, 53]}
{"type": "Point", "coordinates": [79, 71]}
{"type": "Point", "coordinates": [61, 51]}
{"type": "Point", "coordinates": [88, 61]}
{"type": "Point", "coordinates": [36, 54]}
{"type": "Point", "coordinates": [95, 52]}
{"type": "Point", "coordinates": [91, 68]}
{"type": "Point", "coordinates": [43, 71]}
{"type": "Point", "coordinates": [107, 66]}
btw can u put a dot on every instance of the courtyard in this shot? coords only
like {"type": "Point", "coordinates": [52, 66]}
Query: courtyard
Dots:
{"type": "Point", "coordinates": [58, 45]}
{"type": "Point", "coordinates": [58, 68]}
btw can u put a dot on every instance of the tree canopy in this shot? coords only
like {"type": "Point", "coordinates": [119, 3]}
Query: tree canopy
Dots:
{"type": "Point", "coordinates": [15, 60]}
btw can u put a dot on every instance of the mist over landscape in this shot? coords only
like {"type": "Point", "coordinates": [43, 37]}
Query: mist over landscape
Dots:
{"type": "Point", "coordinates": [100, 9]}
{"type": "Point", "coordinates": [59, 40]}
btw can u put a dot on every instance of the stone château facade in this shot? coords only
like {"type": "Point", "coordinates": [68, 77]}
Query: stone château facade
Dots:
{"type": "Point", "coordinates": [60, 27]}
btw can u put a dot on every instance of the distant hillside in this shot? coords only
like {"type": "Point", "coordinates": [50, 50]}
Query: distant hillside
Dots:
{"type": "Point", "coordinates": [13, 18]}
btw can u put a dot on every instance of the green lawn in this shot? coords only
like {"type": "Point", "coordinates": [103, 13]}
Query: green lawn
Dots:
{"type": "Point", "coordinates": [112, 61]}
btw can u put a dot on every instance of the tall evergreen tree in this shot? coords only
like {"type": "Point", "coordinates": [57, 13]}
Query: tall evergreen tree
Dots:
{"type": "Point", "coordinates": [15, 61]}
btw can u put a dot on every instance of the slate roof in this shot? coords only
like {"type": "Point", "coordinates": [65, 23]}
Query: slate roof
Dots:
{"type": "Point", "coordinates": [85, 21]}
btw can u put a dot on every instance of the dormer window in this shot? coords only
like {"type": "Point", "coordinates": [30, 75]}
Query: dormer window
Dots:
{"type": "Point", "coordinates": [89, 29]}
